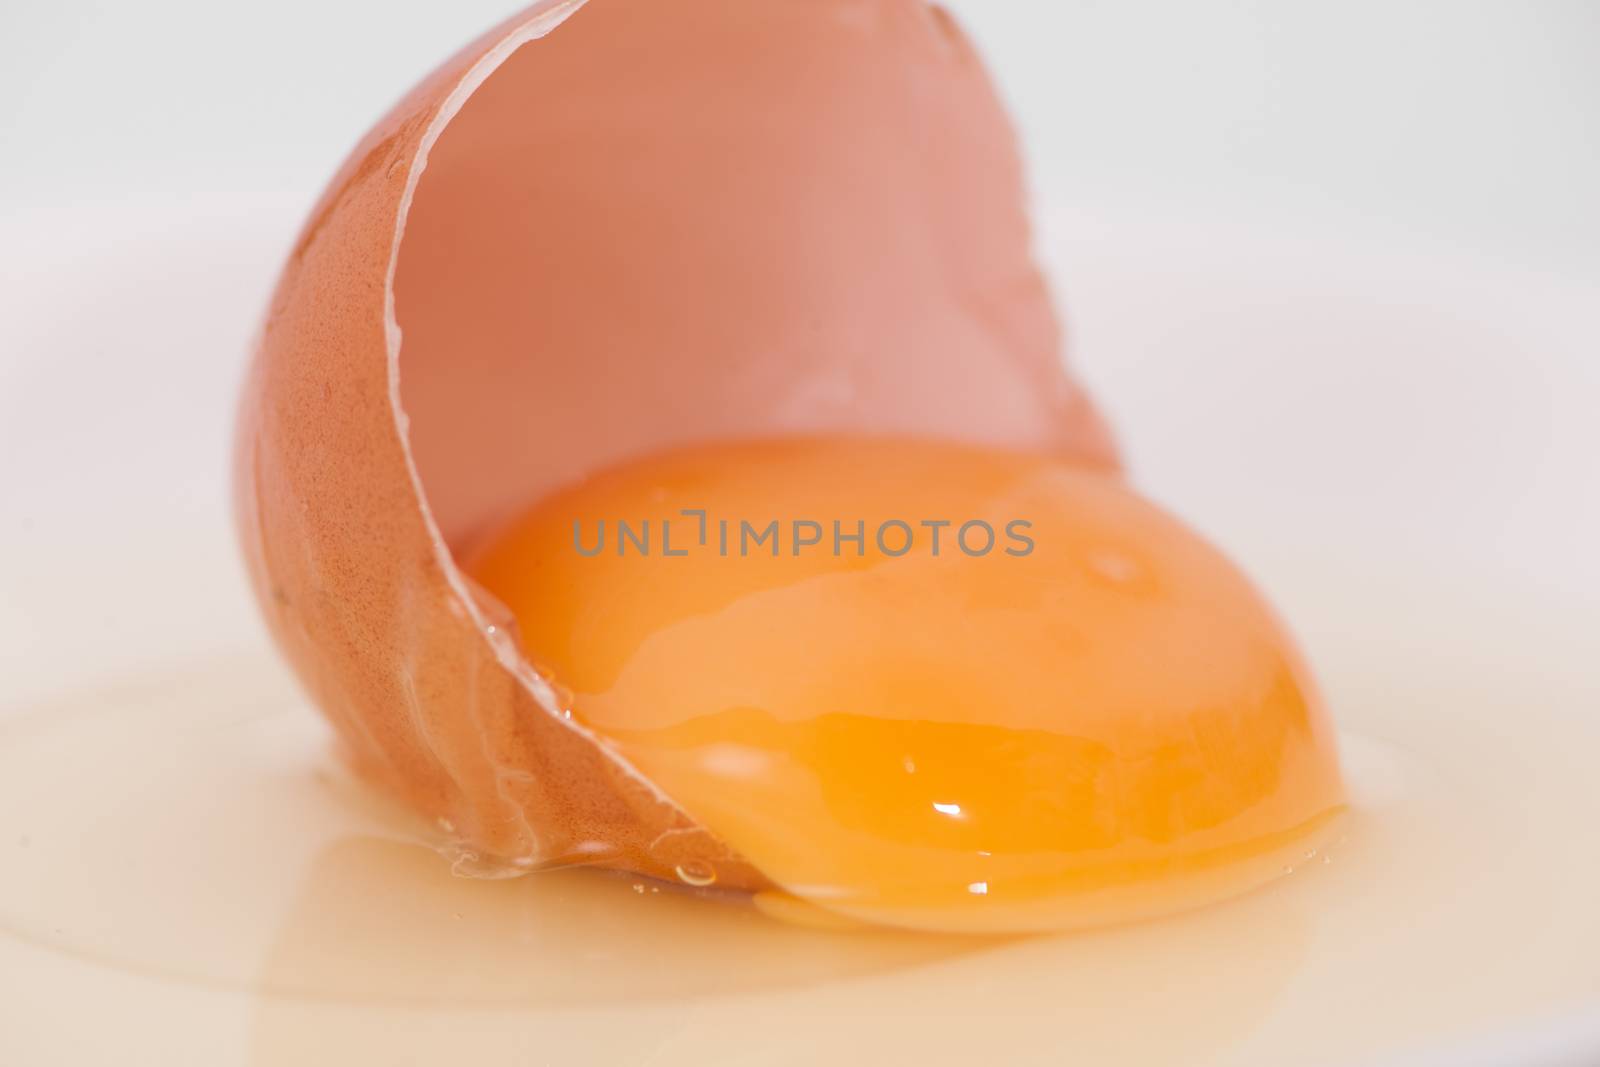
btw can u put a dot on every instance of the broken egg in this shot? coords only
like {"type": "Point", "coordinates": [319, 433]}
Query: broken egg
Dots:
{"type": "Point", "coordinates": [768, 264]}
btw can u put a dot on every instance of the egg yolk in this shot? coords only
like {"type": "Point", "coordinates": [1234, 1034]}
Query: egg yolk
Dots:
{"type": "Point", "coordinates": [927, 684]}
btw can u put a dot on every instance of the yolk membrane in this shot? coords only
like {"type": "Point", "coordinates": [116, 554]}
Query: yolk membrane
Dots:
{"type": "Point", "coordinates": [928, 684]}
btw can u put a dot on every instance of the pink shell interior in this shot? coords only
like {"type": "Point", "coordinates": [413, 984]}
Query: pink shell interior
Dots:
{"type": "Point", "coordinates": [684, 219]}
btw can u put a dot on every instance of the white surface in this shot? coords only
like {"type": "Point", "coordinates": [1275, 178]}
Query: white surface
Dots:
{"type": "Point", "coordinates": [1333, 270]}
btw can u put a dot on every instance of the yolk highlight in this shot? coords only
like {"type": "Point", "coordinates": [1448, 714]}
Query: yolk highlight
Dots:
{"type": "Point", "coordinates": [1002, 693]}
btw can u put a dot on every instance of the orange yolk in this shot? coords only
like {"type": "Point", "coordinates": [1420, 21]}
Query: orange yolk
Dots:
{"type": "Point", "coordinates": [928, 684]}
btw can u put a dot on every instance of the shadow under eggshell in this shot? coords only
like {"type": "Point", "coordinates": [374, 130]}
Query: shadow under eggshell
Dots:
{"type": "Point", "coordinates": [670, 220]}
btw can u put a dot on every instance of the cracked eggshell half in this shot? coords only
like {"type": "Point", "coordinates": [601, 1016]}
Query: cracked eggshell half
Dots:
{"type": "Point", "coordinates": [601, 230]}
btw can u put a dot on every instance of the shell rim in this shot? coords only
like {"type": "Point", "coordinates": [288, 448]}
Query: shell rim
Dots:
{"type": "Point", "coordinates": [539, 21]}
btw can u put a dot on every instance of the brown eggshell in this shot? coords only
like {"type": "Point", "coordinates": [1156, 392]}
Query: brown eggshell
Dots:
{"type": "Point", "coordinates": [667, 220]}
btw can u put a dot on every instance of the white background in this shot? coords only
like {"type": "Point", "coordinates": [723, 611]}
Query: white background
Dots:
{"type": "Point", "coordinates": [1471, 125]}
{"type": "Point", "coordinates": [156, 157]}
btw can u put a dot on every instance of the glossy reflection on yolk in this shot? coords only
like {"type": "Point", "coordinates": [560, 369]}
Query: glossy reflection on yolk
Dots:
{"type": "Point", "coordinates": [1090, 718]}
